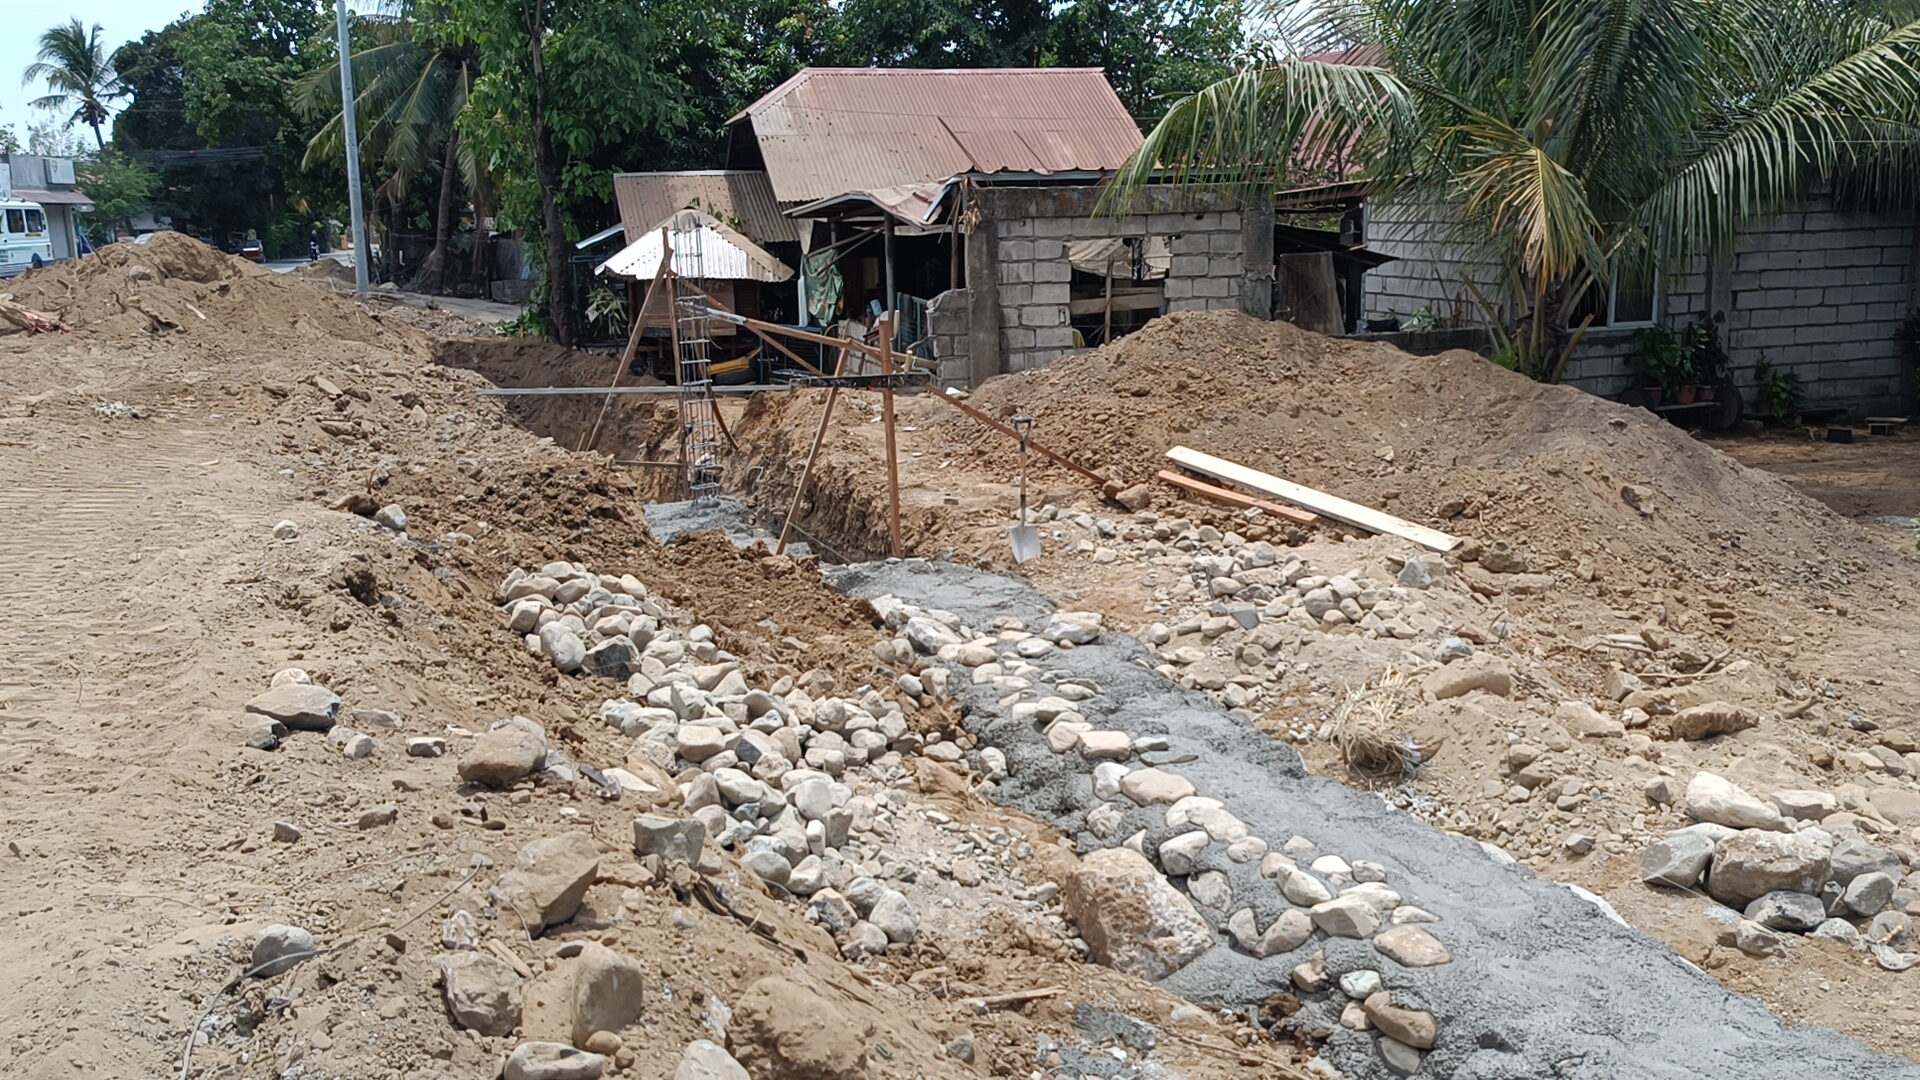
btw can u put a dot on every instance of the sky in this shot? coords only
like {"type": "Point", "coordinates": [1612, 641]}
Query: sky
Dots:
{"type": "Point", "coordinates": [120, 21]}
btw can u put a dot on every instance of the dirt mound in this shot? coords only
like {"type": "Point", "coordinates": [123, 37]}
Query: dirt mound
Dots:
{"type": "Point", "coordinates": [1451, 440]}
{"type": "Point", "coordinates": [173, 284]}
{"type": "Point", "coordinates": [331, 270]}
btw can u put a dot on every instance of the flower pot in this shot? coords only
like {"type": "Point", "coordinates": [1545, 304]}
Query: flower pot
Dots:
{"type": "Point", "coordinates": [1685, 394]}
{"type": "Point", "coordinates": [1653, 395]}
{"type": "Point", "coordinates": [1704, 392]}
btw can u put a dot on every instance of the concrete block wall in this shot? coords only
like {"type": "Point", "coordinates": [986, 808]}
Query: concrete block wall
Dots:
{"type": "Point", "coordinates": [1815, 291]}
{"type": "Point", "coordinates": [947, 322]}
{"type": "Point", "coordinates": [1222, 257]}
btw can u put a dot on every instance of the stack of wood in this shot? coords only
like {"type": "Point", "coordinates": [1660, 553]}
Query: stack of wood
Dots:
{"type": "Point", "coordinates": [13, 318]}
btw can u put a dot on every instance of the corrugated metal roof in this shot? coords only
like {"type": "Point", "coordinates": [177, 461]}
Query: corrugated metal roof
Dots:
{"type": "Point", "coordinates": [742, 198]}
{"type": "Point", "coordinates": [703, 249]}
{"type": "Point", "coordinates": [831, 130]}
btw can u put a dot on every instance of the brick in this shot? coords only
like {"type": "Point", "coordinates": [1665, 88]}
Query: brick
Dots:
{"type": "Point", "coordinates": [1038, 315]}
{"type": "Point", "coordinates": [1224, 266]}
{"type": "Point", "coordinates": [1052, 292]}
{"type": "Point", "coordinates": [1186, 305]}
{"type": "Point", "coordinates": [1015, 272]}
{"type": "Point", "coordinates": [1054, 337]}
{"type": "Point", "coordinates": [1053, 226]}
{"type": "Point", "coordinates": [1056, 270]}
{"type": "Point", "coordinates": [1018, 337]}
{"type": "Point", "coordinates": [1212, 287]}
{"type": "Point", "coordinates": [1165, 224]}
{"type": "Point", "coordinates": [1178, 288]}
{"type": "Point", "coordinates": [1193, 243]}
{"type": "Point", "coordinates": [1229, 220]}
{"type": "Point", "coordinates": [1188, 266]}
{"type": "Point", "coordinates": [1045, 250]}
{"type": "Point", "coordinates": [1016, 250]}
{"type": "Point", "coordinates": [1014, 227]}
{"type": "Point", "coordinates": [1015, 296]}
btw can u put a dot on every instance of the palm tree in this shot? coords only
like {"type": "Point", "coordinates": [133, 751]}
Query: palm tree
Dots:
{"type": "Point", "coordinates": [77, 69]}
{"type": "Point", "coordinates": [408, 92]}
{"type": "Point", "coordinates": [1563, 140]}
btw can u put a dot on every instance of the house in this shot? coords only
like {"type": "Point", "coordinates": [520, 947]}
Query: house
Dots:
{"type": "Point", "coordinates": [1819, 292]}
{"type": "Point", "coordinates": [968, 201]}
{"type": "Point", "coordinates": [50, 182]}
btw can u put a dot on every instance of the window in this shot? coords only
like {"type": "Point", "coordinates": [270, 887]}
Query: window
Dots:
{"type": "Point", "coordinates": [16, 221]}
{"type": "Point", "coordinates": [36, 223]}
{"type": "Point", "coordinates": [1630, 298]}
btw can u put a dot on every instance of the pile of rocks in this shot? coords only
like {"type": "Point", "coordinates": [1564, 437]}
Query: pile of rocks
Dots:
{"type": "Point", "coordinates": [1794, 863]}
{"type": "Point", "coordinates": [293, 702]}
{"type": "Point", "coordinates": [1131, 913]}
{"type": "Point", "coordinates": [587, 623]}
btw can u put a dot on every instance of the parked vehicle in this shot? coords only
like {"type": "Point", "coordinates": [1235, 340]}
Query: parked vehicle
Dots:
{"type": "Point", "coordinates": [25, 240]}
{"type": "Point", "coordinates": [252, 251]}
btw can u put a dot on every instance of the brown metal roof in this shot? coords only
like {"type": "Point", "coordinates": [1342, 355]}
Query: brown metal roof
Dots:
{"type": "Point", "coordinates": [743, 200]}
{"type": "Point", "coordinates": [831, 130]}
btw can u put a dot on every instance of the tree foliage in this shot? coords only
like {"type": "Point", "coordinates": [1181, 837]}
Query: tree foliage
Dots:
{"type": "Point", "coordinates": [120, 188]}
{"type": "Point", "coordinates": [1562, 138]}
{"type": "Point", "coordinates": [74, 64]}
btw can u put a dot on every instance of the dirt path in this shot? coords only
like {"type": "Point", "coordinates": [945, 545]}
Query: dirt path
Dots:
{"type": "Point", "coordinates": [1872, 477]}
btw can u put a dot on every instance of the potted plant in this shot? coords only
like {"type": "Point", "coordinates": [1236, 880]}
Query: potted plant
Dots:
{"type": "Point", "coordinates": [1661, 362]}
{"type": "Point", "coordinates": [1706, 357]}
{"type": "Point", "coordinates": [1778, 390]}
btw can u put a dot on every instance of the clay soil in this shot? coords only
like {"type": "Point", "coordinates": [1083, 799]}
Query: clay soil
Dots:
{"type": "Point", "coordinates": [150, 451]}
{"type": "Point", "coordinates": [1744, 563]}
{"type": "Point", "coordinates": [1872, 477]}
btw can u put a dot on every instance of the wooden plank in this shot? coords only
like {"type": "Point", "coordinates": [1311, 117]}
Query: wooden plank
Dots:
{"type": "Point", "coordinates": [1120, 302]}
{"type": "Point", "coordinates": [1234, 498]}
{"type": "Point", "coordinates": [1320, 502]}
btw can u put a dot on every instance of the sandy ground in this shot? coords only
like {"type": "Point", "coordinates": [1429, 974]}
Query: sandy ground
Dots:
{"type": "Point", "coordinates": [1872, 477]}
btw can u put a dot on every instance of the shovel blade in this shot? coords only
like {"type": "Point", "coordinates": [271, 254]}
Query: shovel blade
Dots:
{"type": "Point", "coordinates": [1026, 542]}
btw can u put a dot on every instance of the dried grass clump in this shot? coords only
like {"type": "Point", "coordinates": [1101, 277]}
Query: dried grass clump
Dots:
{"type": "Point", "coordinates": [1373, 729]}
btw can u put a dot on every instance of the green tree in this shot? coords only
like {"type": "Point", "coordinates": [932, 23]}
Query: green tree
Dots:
{"type": "Point", "coordinates": [120, 188]}
{"type": "Point", "coordinates": [947, 33]}
{"type": "Point", "coordinates": [409, 92]}
{"type": "Point", "coordinates": [1153, 51]}
{"type": "Point", "coordinates": [77, 71]}
{"type": "Point", "coordinates": [1565, 138]}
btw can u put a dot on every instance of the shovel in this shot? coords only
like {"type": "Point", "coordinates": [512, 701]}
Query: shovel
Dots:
{"type": "Point", "coordinates": [1024, 537]}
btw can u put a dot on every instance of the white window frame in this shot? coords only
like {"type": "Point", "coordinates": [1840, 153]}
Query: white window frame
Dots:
{"type": "Point", "coordinates": [1613, 298]}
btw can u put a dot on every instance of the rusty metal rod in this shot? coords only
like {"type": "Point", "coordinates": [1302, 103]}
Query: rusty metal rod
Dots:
{"type": "Point", "coordinates": [806, 471]}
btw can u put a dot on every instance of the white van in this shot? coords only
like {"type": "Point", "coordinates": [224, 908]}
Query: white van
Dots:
{"type": "Point", "coordinates": [25, 240]}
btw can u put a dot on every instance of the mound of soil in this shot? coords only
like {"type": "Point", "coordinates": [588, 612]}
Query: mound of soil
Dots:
{"type": "Point", "coordinates": [630, 421]}
{"type": "Point", "coordinates": [1451, 441]}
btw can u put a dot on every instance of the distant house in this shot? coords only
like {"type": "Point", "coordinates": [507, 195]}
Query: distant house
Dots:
{"type": "Point", "coordinates": [50, 182]}
{"type": "Point", "coordinates": [1818, 292]}
{"type": "Point", "coordinates": [965, 201]}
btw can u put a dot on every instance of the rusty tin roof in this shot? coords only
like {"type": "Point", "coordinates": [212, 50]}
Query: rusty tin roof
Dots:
{"type": "Point", "coordinates": [740, 198]}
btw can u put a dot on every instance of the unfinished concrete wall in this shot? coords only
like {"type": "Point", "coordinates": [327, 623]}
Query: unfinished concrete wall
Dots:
{"type": "Point", "coordinates": [949, 324]}
{"type": "Point", "coordinates": [1019, 279]}
{"type": "Point", "coordinates": [1816, 292]}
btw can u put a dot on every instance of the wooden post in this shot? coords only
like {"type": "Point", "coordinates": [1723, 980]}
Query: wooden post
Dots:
{"type": "Point", "coordinates": [893, 450]}
{"type": "Point", "coordinates": [806, 471]}
{"type": "Point", "coordinates": [889, 253]}
{"type": "Point", "coordinates": [633, 340]}
{"type": "Point", "coordinates": [1106, 335]}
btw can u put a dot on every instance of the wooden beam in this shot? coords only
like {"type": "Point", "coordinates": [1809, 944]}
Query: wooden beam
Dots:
{"type": "Point", "coordinates": [633, 341]}
{"type": "Point", "coordinates": [886, 408]}
{"type": "Point", "coordinates": [1234, 498]}
{"type": "Point", "coordinates": [1119, 301]}
{"type": "Point", "coordinates": [1320, 502]}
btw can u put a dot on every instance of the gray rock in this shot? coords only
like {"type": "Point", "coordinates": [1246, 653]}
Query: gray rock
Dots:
{"type": "Point", "coordinates": [698, 742]}
{"type": "Point", "coordinates": [1792, 911]}
{"type": "Point", "coordinates": [286, 832]}
{"type": "Point", "coordinates": [426, 746]}
{"type": "Point", "coordinates": [552, 1061]}
{"type": "Point", "coordinates": [1178, 854]}
{"type": "Point", "coordinates": [1867, 894]}
{"type": "Point", "coordinates": [563, 647]}
{"type": "Point", "coordinates": [1889, 928]}
{"type": "Point", "coordinates": [863, 893]}
{"type": "Point", "coordinates": [960, 1047]}
{"type": "Point", "coordinates": [1414, 575]}
{"type": "Point", "coordinates": [614, 658]}
{"type": "Point", "coordinates": [1678, 860]}
{"type": "Point", "coordinates": [278, 949]}
{"type": "Point", "coordinates": [1130, 917]}
{"type": "Point", "coordinates": [703, 1060]}
{"type": "Point", "coordinates": [482, 993]}
{"type": "Point", "coordinates": [673, 839]}
{"type": "Point", "coordinates": [832, 911]}
{"type": "Point", "coordinates": [1400, 1059]}
{"type": "Point", "coordinates": [1360, 985]}
{"type": "Point", "coordinates": [808, 876]}
{"type": "Point", "coordinates": [1716, 799]}
{"type": "Point", "coordinates": [1839, 930]}
{"type": "Point", "coordinates": [1756, 940]}
{"type": "Point", "coordinates": [893, 914]}
{"type": "Point", "coordinates": [1210, 888]}
{"type": "Point", "coordinates": [1853, 857]}
{"type": "Point", "coordinates": [1753, 863]}
{"type": "Point", "coordinates": [1073, 627]}
{"type": "Point", "coordinates": [608, 991]}
{"type": "Point", "coordinates": [1892, 959]}
{"type": "Point", "coordinates": [375, 817]}
{"type": "Point", "coordinates": [769, 866]}
{"type": "Point", "coordinates": [548, 881]}
{"type": "Point", "coordinates": [505, 755]}
{"type": "Point", "coordinates": [865, 939]}
{"type": "Point", "coordinates": [1346, 916]}
{"type": "Point", "coordinates": [928, 636]}
{"type": "Point", "coordinates": [358, 746]}
{"type": "Point", "coordinates": [300, 706]}
{"type": "Point", "coordinates": [391, 516]}
{"type": "Point", "coordinates": [266, 734]}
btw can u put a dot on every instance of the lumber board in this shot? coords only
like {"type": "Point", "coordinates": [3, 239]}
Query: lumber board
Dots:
{"type": "Point", "coordinates": [1234, 498]}
{"type": "Point", "coordinates": [1352, 513]}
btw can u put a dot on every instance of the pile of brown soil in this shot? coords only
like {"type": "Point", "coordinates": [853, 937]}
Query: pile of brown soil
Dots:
{"type": "Point", "coordinates": [630, 422]}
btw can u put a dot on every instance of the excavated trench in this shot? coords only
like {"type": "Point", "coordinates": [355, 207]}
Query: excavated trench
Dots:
{"type": "Point", "coordinates": [1544, 981]}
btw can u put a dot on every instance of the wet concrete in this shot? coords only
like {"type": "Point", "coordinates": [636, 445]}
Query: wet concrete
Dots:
{"type": "Point", "coordinates": [1542, 984]}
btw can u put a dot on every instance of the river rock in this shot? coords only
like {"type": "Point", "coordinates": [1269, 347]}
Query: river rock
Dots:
{"type": "Point", "coordinates": [1412, 946]}
{"type": "Point", "coordinates": [1793, 911]}
{"type": "Point", "coordinates": [1711, 718]}
{"type": "Point", "coordinates": [893, 914]}
{"type": "Point", "coordinates": [703, 1060]}
{"type": "Point", "coordinates": [505, 755]}
{"type": "Point", "coordinates": [672, 839]}
{"type": "Point", "coordinates": [482, 993]}
{"type": "Point", "coordinates": [1178, 854]}
{"type": "Point", "coordinates": [1485, 673]}
{"type": "Point", "coordinates": [1853, 857]}
{"type": "Point", "coordinates": [1586, 722]}
{"type": "Point", "coordinates": [300, 706]}
{"type": "Point", "coordinates": [1752, 863]}
{"type": "Point", "coordinates": [1148, 786]}
{"type": "Point", "coordinates": [563, 647]}
{"type": "Point", "coordinates": [548, 880]}
{"type": "Point", "coordinates": [1130, 917]}
{"type": "Point", "coordinates": [1866, 894]}
{"type": "Point", "coordinates": [1346, 916]}
{"type": "Point", "coordinates": [278, 949]}
{"type": "Point", "coordinates": [1678, 860]}
{"type": "Point", "coordinates": [552, 1061]}
{"type": "Point", "coordinates": [609, 992]}
{"type": "Point", "coordinates": [1716, 799]}
{"type": "Point", "coordinates": [614, 658]}
{"type": "Point", "coordinates": [1415, 1027]}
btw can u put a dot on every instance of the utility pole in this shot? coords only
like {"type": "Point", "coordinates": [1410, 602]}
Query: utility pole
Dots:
{"type": "Point", "coordinates": [353, 149]}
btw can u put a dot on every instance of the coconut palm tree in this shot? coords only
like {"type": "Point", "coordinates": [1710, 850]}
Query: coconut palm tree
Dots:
{"type": "Point", "coordinates": [408, 91]}
{"type": "Point", "coordinates": [80, 73]}
{"type": "Point", "coordinates": [1562, 140]}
